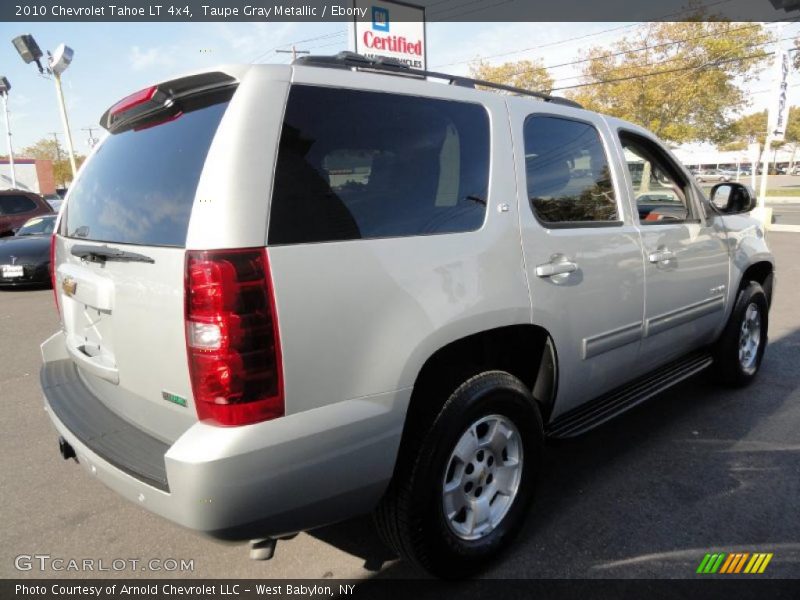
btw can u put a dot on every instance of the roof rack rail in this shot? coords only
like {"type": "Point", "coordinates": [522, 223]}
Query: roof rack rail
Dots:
{"type": "Point", "coordinates": [350, 60]}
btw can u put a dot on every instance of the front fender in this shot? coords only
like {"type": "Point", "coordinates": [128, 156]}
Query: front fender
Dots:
{"type": "Point", "coordinates": [747, 246]}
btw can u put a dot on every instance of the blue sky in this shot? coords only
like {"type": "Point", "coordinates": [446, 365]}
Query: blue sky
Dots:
{"type": "Point", "coordinates": [113, 60]}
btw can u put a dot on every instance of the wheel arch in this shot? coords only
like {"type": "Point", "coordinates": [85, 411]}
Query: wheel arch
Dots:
{"type": "Point", "coordinates": [763, 273]}
{"type": "Point", "coordinates": [524, 350]}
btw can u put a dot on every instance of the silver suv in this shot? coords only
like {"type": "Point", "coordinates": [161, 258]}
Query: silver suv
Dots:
{"type": "Point", "coordinates": [294, 294]}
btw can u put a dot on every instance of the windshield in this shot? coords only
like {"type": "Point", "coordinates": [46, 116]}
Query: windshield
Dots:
{"type": "Point", "coordinates": [38, 226]}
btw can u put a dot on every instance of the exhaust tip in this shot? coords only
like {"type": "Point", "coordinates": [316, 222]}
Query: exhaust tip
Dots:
{"type": "Point", "coordinates": [66, 450]}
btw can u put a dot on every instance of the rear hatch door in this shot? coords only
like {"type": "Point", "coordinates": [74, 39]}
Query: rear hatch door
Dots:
{"type": "Point", "coordinates": [120, 252]}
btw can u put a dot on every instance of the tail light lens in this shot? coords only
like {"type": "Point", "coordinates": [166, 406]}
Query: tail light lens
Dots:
{"type": "Point", "coordinates": [53, 271]}
{"type": "Point", "coordinates": [133, 101]}
{"type": "Point", "coordinates": [232, 336]}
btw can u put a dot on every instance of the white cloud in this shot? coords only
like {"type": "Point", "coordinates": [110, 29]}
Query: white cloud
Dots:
{"type": "Point", "coordinates": [144, 59]}
{"type": "Point", "coordinates": [252, 40]}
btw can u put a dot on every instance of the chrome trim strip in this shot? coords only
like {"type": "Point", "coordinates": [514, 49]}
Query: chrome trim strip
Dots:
{"type": "Point", "coordinates": [611, 339]}
{"type": "Point", "coordinates": [683, 315]}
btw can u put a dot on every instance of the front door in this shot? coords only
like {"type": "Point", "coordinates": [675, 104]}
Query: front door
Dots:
{"type": "Point", "coordinates": [686, 259]}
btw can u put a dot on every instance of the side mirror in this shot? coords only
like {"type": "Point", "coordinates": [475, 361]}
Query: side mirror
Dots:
{"type": "Point", "coordinates": [733, 198]}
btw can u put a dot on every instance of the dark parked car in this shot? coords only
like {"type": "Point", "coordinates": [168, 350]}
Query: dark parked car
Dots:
{"type": "Point", "coordinates": [25, 257]}
{"type": "Point", "coordinates": [17, 206]}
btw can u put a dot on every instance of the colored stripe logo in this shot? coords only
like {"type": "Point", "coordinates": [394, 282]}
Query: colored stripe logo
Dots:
{"type": "Point", "coordinates": [733, 563]}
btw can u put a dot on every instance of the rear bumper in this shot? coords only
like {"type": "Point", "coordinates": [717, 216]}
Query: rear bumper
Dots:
{"type": "Point", "coordinates": [291, 474]}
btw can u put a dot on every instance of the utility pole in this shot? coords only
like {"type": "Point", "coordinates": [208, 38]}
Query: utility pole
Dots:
{"type": "Point", "coordinates": [92, 140]}
{"type": "Point", "coordinates": [58, 151]}
{"type": "Point", "coordinates": [294, 52]}
{"type": "Point", "coordinates": [58, 147]}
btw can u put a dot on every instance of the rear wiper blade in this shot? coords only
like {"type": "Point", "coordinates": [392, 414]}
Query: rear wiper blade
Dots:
{"type": "Point", "coordinates": [104, 253]}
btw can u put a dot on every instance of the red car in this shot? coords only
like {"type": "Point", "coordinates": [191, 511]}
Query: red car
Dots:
{"type": "Point", "coordinates": [17, 206]}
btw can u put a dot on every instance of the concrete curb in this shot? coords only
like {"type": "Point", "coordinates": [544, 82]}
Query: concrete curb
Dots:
{"type": "Point", "coordinates": [783, 200]}
{"type": "Point", "coordinates": [784, 228]}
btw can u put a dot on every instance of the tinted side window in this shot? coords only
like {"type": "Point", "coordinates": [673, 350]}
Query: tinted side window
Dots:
{"type": "Point", "coordinates": [14, 205]}
{"type": "Point", "coordinates": [567, 172]}
{"type": "Point", "coordinates": [354, 164]}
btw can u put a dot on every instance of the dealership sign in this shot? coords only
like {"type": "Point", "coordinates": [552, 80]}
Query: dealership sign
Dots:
{"type": "Point", "coordinates": [392, 30]}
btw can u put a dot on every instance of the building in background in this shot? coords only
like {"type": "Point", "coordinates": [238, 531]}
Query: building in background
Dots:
{"type": "Point", "coordinates": [33, 175]}
{"type": "Point", "coordinates": [710, 158]}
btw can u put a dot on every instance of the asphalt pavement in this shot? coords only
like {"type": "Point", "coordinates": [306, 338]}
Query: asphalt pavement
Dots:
{"type": "Point", "coordinates": [698, 469]}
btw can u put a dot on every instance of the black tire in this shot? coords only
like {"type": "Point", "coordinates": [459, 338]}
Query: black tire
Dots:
{"type": "Point", "coordinates": [411, 517]}
{"type": "Point", "coordinates": [729, 368]}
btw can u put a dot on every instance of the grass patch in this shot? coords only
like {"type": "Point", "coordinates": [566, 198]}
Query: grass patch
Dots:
{"type": "Point", "coordinates": [784, 192]}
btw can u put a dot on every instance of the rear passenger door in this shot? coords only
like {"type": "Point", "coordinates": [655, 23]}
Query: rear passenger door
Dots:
{"type": "Point", "coordinates": [582, 251]}
{"type": "Point", "coordinates": [686, 267]}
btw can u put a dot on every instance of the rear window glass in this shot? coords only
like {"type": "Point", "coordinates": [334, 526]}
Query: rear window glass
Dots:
{"type": "Point", "coordinates": [139, 186]}
{"type": "Point", "coordinates": [15, 205]}
{"type": "Point", "coordinates": [355, 164]}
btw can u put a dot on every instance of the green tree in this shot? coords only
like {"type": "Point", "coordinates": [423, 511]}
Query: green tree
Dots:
{"type": "Point", "coordinates": [526, 74]}
{"type": "Point", "coordinates": [680, 80]}
{"type": "Point", "coordinates": [753, 128]}
{"type": "Point", "coordinates": [746, 130]}
{"type": "Point", "coordinates": [50, 149]}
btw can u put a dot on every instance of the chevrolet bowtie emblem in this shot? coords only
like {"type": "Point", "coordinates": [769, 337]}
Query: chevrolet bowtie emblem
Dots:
{"type": "Point", "coordinates": [69, 285]}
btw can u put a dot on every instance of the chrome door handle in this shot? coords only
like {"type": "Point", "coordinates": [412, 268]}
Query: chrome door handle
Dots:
{"type": "Point", "coordinates": [556, 267]}
{"type": "Point", "coordinates": [661, 255]}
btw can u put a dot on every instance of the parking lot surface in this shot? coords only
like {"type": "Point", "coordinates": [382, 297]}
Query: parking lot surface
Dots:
{"type": "Point", "coordinates": [698, 469]}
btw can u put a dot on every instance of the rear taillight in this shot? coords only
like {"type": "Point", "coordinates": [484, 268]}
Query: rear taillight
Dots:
{"type": "Point", "coordinates": [53, 271]}
{"type": "Point", "coordinates": [136, 99]}
{"type": "Point", "coordinates": [232, 336]}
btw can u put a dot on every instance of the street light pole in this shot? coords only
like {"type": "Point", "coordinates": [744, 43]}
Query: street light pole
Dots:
{"type": "Point", "coordinates": [10, 148]}
{"type": "Point", "coordinates": [65, 122]}
{"type": "Point", "coordinates": [57, 62]}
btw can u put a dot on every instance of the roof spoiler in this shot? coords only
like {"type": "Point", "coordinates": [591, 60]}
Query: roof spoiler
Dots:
{"type": "Point", "coordinates": [165, 100]}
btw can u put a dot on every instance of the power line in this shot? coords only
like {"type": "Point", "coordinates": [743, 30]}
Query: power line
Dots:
{"type": "Point", "coordinates": [668, 60]}
{"type": "Point", "coordinates": [643, 48]}
{"type": "Point", "coordinates": [469, 12]}
{"type": "Point", "coordinates": [577, 38]}
{"type": "Point", "coordinates": [450, 9]}
{"type": "Point", "coordinates": [665, 71]}
{"type": "Point", "coordinates": [653, 47]}
{"type": "Point", "coordinates": [771, 90]}
{"type": "Point", "coordinates": [295, 42]}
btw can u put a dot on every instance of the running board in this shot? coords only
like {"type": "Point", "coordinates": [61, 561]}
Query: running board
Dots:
{"type": "Point", "coordinates": [591, 414]}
